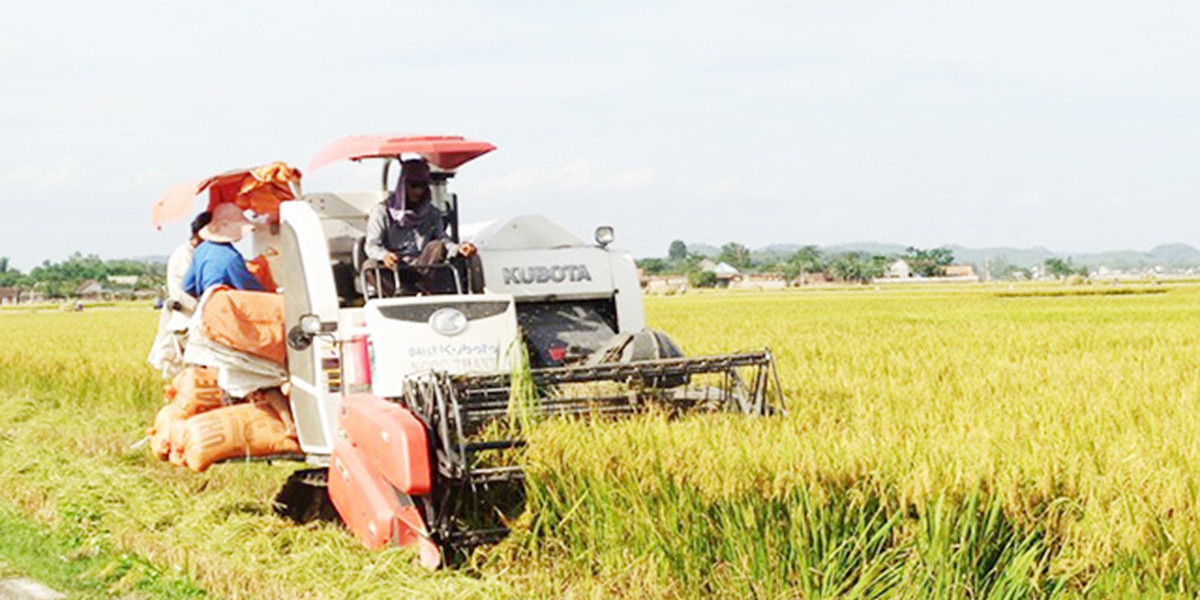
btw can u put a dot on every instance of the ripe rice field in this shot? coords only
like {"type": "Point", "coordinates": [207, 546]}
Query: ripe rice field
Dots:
{"type": "Point", "coordinates": [950, 442]}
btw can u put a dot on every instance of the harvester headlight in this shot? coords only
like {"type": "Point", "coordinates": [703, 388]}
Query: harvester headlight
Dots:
{"type": "Point", "coordinates": [310, 324]}
{"type": "Point", "coordinates": [604, 235]}
{"type": "Point", "coordinates": [448, 321]}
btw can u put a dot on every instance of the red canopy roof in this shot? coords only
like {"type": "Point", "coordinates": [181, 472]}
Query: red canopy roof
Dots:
{"type": "Point", "coordinates": [447, 152]}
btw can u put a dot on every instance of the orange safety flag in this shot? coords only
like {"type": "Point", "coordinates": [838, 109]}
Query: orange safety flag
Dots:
{"type": "Point", "coordinates": [250, 322]}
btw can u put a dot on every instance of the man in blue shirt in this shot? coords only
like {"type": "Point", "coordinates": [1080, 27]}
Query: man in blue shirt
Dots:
{"type": "Point", "coordinates": [216, 261]}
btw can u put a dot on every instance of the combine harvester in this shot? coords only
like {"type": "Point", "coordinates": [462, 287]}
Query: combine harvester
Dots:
{"type": "Point", "coordinates": [406, 405]}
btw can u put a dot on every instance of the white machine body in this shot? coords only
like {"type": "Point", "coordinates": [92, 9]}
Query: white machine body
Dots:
{"type": "Point", "coordinates": [457, 334]}
{"type": "Point", "coordinates": [539, 280]}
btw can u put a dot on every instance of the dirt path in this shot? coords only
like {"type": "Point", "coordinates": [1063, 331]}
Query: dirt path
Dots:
{"type": "Point", "coordinates": [20, 588]}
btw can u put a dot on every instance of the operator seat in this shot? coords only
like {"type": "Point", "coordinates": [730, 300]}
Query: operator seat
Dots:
{"type": "Point", "coordinates": [403, 285]}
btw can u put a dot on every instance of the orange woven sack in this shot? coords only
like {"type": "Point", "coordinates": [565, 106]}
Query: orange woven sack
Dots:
{"type": "Point", "coordinates": [160, 433]}
{"type": "Point", "coordinates": [251, 322]}
{"type": "Point", "coordinates": [241, 430]}
{"type": "Point", "coordinates": [275, 400]}
{"type": "Point", "coordinates": [196, 391]}
{"type": "Point", "coordinates": [178, 438]}
{"type": "Point", "coordinates": [261, 270]}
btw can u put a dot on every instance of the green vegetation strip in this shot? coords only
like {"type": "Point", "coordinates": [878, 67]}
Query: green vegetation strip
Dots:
{"type": "Point", "coordinates": [1068, 292]}
{"type": "Point", "coordinates": [61, 562]}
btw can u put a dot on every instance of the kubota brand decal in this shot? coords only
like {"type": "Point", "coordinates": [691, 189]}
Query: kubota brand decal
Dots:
{"type": "Point", "coordinates": [450, 349]}
{"type": "Point", "coordinates": [557, 274]}
{"type": "Point", "coordinates": [462, 356]}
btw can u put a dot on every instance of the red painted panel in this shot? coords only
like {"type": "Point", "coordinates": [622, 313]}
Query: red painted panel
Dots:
{"type": "Point", "coordinates": [365, 501]}
{"type": "Point", "coordinates": [447, 152]}
{"type": "Point", "coordinates": [393, 441]}
{"type": "Point", "coordinates": [371, 508]}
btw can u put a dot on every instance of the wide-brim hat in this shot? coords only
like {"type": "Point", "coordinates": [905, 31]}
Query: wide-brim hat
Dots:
{"type": "Point", "coordinates": [228, 224]}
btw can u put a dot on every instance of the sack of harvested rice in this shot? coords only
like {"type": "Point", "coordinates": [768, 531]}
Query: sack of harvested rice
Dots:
{"type": "Point", "coordinates": [241, 430]}
{"type": "Point", "coordinates": [277, 401]}
{"type": "Point", "coordinates": [160, 433]}
{"type": "Point", "coordinates": [178, 439]}
{"type": "Point", "coordinates": [250, 322]}
{"type": "Point", "coordinates": [196, 390]}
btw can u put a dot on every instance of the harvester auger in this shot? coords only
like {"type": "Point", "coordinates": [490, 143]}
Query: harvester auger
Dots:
{"type": "Point", "coordinates": [405, 406]}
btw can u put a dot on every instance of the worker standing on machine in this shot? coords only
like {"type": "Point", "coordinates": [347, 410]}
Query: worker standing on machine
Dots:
{"type": "Point", "coordinates": [166, 354]}
{"type": "Point", "coordinates": [216, 261]}
{"type": "Point", "coordinates": [181, 260]}
{"type": "Point", "coordinates": [406, 229]}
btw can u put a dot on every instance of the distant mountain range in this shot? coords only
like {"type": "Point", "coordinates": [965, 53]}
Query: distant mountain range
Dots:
{"type": "Point", "coordinates": [1170, 256]}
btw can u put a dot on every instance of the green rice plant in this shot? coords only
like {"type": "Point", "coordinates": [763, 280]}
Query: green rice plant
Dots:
{"type": "Point", "coordinates": [523, 392]}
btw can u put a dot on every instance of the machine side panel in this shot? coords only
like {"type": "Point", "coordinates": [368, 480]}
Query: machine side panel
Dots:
{"type": "Point", "coordinates": [631, 316]}
{"type": "Point", "coordinates": [577, 272]}
{"type": "Point", "coordinates": [307, 285]}
{"type": "Point", "coordinates": [392, 440]}
{"type": "Point", "coordinates": [343, 217]}
{"type": "Point", "coordinates": [376, 512]}
{"type": "Point", "coordinates": [362, 497]}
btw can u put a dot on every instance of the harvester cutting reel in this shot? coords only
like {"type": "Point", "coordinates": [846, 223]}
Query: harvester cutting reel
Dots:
{"type": "Point", "coordinates": [476, 422]}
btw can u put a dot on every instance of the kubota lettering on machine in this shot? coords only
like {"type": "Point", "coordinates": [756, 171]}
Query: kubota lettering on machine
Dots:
{"type": "Point", "coordinates": [543, 274]}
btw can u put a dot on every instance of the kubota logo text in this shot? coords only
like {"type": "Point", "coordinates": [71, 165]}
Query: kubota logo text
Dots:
{"type": "Point", "coordinates": [557, 274]}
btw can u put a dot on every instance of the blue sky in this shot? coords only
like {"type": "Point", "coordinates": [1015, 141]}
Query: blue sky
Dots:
{"type": "Point", "coordinates": [1065, 124]}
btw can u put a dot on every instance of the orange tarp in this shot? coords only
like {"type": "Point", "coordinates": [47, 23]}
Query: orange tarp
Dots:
{"type": "Point", "coordinates": [251, 322]}
{"type": "Point", "coordinates": [259, 189]}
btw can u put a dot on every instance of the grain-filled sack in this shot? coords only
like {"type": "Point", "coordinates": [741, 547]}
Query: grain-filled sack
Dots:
{"type": "Point", "coordinates": [160, 433]}
{"type": "Point", "coordinates": [195, 391]}
{"type": "Point", "coordinates": [275, 400]}
{"type": "Point", "coordinates": [178, 439]}
{"type": "Point", "coordinates": [250, 322]}
{"type": "Point", "coordinates": [241, 430]}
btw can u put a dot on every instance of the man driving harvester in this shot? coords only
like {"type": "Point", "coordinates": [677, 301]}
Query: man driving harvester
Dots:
{"type": "Point", "coordinates": [406, 230]}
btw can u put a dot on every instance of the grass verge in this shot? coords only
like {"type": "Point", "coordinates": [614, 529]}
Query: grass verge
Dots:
{"type": "Point", "coordinates": [59, 560]}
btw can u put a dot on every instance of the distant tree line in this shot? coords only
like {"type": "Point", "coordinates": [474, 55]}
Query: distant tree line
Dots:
{"type": "Point", "coordinates": [61, 279]}
{"type": "Point", "coordinates": [808, 260]}
{"type": "Point", "coordinates": [859, 267]}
